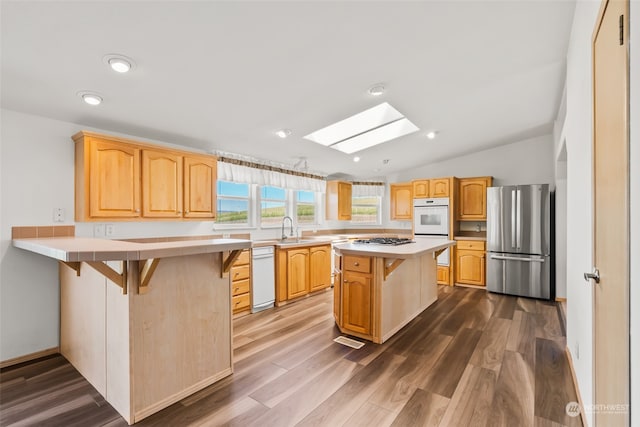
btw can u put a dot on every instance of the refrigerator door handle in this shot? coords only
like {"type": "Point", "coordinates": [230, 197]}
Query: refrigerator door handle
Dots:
{"type": "Point", "coordinates": [513, 218]}
{"type": "Point", "coordinates": [512, 258]}
{"type": "Point", "coordinates": [519, 220]}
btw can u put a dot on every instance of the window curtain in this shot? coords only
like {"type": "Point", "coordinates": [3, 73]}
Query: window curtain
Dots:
{"type": "Point", "coordinates": [367, 189]}
{"type": "Point", "coordinates": [249, 171]}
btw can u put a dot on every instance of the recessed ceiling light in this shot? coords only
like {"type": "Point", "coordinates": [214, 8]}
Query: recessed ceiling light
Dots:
{"type": "Point", "coordinates": [432, 134]}
{"type": "Point", "coordinates": [119, 63]}
{"type": "Point", "coordinates": [376, 90]}
{"type": "Point", "coordinates": [283, 133]}
{"type": "Point", "coordinates": [371, 127]}
{"type": "Point", "coordinates": [356, 159]}
{"type": "Point", "coordinates": [90, 98]}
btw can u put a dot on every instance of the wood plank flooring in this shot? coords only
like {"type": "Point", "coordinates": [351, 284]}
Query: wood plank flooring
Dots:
{"type": "Point", "coordinates": [472, 358]}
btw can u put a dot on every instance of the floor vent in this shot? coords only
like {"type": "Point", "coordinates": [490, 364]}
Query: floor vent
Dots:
{"type": "Point", "coordinates": [349, 342]}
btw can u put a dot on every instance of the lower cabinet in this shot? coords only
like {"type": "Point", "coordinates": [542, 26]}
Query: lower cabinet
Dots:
{"type": "Point", "coordinates": [356, 297]}
{"type": "Point", "coordinates": [470, 263]}
{"type": "Point", "coordinates": [302, 270]}
{"type": "Point", "coordinates": [241, 282]}
{"type": "Point", "coordinates": [352, 303]}
{"type": "Point", "coordinates": [443, 275]}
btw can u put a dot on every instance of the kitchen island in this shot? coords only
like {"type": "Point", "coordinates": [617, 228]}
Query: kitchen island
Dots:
{"type": "Point", "coordinates": [384, 287]}
{"type": "Point", "coordinates": [147, 324]}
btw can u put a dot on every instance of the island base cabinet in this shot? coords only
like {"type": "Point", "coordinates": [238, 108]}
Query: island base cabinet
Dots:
{"type": "Point", "coordinates": [356, 294]}
{"type": "Point", "coordinates": [144, 352]}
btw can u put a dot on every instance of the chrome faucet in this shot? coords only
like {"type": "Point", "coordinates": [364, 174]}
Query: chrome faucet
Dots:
{"type": "Point", "coordinates": [284, 236]}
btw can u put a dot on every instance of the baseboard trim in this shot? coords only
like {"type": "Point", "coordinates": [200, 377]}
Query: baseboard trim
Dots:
{"type": "Point", "coordinates": [561, 299]}
{"type": "Point", "coordinates": [29, 357]}
{"type": "Point", "coordinates": [575, 385]}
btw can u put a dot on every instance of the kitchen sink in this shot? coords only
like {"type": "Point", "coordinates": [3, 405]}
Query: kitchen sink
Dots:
{"type": "Point", "coordinates": [290, 242]}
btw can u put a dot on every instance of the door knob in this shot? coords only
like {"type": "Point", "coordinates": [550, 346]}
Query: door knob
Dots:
{"type": "Point", "coordinates": [595, 275]}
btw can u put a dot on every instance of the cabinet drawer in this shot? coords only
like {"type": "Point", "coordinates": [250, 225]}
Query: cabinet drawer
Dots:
{"type": "Point", "coordinates": [471, 245]}
{"type": "Point", "coordinates": [239, 273]}
{"type": "Point", "coordinates": [357, 263]}
{"type": "Point", "coordinates": [243, 258]}
{"type": "Point", "coordinates": [240, 287]}
{"type": "Point", "coordinates": [240, 302]}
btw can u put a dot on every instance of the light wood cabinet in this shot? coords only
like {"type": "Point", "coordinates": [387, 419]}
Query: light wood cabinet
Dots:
{"type": "Point", "coordinates": [470, 262]}
{"type": "Point", "coordinates": [119, 179]}
{"type": "Point", "coordinates": [421, 188]}
{"type": "Point", "coordinates": [302, 270]}
{"type": "Point", "coordinates": [107, 180]}
{"type": "Point", "coordinates": [338, 200]}
{"type": "Point", "coordinates": [401, 201]}
{"type": "Point", "coordinates": [356, 297]}
{"type": "Point", "coordinates": [472, 194]}
{"type": "Point", "coordinates": [442, 275]}
{"type": "Point", "coordinates": [439, 187]}
{"type": "Point", "coordinates": [161, 184]}
{"type": "Point", "coordinates": [200, 187]}
{"type": "Point", "coordinates": [241, 282]}
{"type": "Point", "coordinates": [319, 268]}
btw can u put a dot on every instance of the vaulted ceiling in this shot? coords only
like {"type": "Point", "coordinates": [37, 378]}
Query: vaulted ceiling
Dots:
{"type": "Point", "coordinates": [222, 75]}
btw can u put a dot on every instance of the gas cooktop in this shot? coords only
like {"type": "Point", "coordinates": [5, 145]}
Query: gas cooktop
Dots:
{"type": "Point", "coordinates": [394, 241]}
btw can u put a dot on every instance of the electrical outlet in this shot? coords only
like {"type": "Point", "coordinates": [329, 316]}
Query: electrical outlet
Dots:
{"type": "Point", "coordinates": [226, 235]}
{"type": "Point", "coordinates": [58, 215]}
{"type": "Point", "coordinates": [109, 229]}
{"type": "Point", "coordinates": [98, 230]}
{"type": "Point", "coordinates": [577, 350]}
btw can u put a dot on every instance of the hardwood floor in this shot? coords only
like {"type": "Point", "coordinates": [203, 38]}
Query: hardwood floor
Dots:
{"type": "Point", "coordinates": [472, 358]}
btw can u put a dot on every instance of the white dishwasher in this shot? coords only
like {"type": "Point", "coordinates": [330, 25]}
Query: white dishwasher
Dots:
{"type": "Point", "coordinates": [263, 294]}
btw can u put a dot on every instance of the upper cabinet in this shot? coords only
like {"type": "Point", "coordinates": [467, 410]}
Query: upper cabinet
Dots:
{"type": "Point", "coordinates": [161, 184]}
{"type": "Point", "coordinates": [200, 187]}
{"type": "Point", "coordinates": [107, 179]}
{"type": "Point", "coordinates": [338, 202]}
{"type": "Point", "coordinates": [472, 193]}
{"type": "Point", "coordinates": [421, 188]}
{"type": "Point", "coordinates": [401, 201]}
{"type": "Point", "coordinates": [119, 179]}
{"type": "Point", "coordinates": [438, 187]}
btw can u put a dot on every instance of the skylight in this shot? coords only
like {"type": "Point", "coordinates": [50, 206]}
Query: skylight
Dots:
{"type": "Point", "coordinates": [371, 127]}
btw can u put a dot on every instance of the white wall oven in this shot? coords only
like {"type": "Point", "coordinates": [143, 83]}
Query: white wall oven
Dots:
{"type": "Point", "coordinates": [431, 220]}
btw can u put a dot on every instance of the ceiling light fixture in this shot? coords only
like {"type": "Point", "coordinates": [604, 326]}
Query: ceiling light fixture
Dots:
{"type": "Point", "coordinates": [119, 63]}
{"type": "Point", "coordinates": [377, 89]}
{"type": "Point", "coordinates": [283, 133]}
{"type": "Point", "coordinates": [356, 159]}
{"type": "Point", "coordinates": [432, 134]}
{"type": "Point", "coordinates": [371, 127]}
{"type": "Point", "coordinates": [90, 98]}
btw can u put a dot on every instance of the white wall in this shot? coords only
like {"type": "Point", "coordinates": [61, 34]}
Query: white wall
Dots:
{"type": "Point", "coordinates": [578, 134]}
{"type": "Point", "coordinates": [635, 210]}
{"type": "Point", "coordinates": [523, 162]}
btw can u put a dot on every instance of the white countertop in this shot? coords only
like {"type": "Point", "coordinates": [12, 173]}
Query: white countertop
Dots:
{"type": "Point", "coordinates": [88, 249]}
{"type": "Point", "coordinates": [410, 250]}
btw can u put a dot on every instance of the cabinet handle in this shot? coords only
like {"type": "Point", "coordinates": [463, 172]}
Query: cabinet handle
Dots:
{"type": "Point", "coordinates": [345, 281]}
{"type": "Point", "coordinates": [356, 264]}
{"type": "Point", "coordinates": [137, 210]}
{"type": "Point", "coordinates": [186, 211]}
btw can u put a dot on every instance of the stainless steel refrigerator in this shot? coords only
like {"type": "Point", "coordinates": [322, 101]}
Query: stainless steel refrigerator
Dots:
{"type": "Point", "coordinates": [519, 240]}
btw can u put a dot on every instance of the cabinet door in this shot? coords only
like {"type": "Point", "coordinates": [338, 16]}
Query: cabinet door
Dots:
{"type": "Point", "coordinates": [337, 296]}
{"type": "Point", "coordinates": [470, 267]}
{"type": "Point", "coordinates": [443, 275]}
{"type": "Point", "coordinates": [421, 188]}
{"type": "Point", "coordinates": [319, 268]}
{"type": "Point", "coordinates": [161, 184]}
{"type": "Point", "coordinates": [199, 187]}
{"type": "Point", "coordinates": [338, 200]}
{"type": "Point", "coordinates": [114, 180]}
{"type": "Point", "coordinates": [297, 273]}
{"type": "Point", "coordinates": [356, 297]}
{"type": "Point", "coordinates": [401, 201]}
{"type": "Point", "coordinates": [473, 199]}
{"type": "Point", "coordinates": [439, 187]}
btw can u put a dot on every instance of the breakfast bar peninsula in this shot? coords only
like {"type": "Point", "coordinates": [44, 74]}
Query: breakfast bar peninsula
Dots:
{"type": "Point", "coordinates": [147, 324]}
{"type": "Point", "coordinates": [379, 288]}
